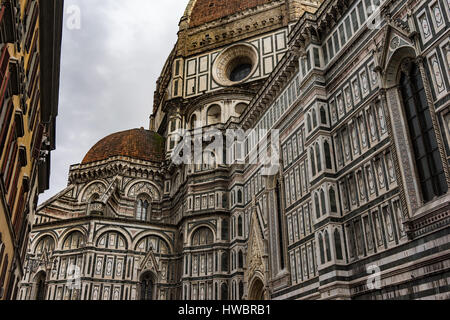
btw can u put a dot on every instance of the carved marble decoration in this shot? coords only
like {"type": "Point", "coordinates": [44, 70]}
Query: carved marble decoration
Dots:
{"type": "Point", "coordinates": [365, 82]}
{"type": "Point", "coordinates": [437, 74]}
{"type": "Point", "coordinates": [95, 188]}
{"type": "Point", "coordinates": [425, 27]}
{"type": "Point", "coordinates": [340, 104]}
{"type": "Point", "coordinates": [369, 237]}
{"type": "Point", "coordinates": [356, 90]}
{"type": "Point", "coordinates": [144, 188]}
{"type": "Point", "coordinates": [388, 221]}
{"type": "Point", "coordinates": [362, 130]}
{"type": "Point", "coordinates": [380, 174]}
{"type": "Point", "coordinates": [373, 129]}
{"type": "Point", "coordinates": [382, 119]}
{"type": "Point", "coordinates": [370, 179]}
{"type": "Point", "coordinates": [437, 15]}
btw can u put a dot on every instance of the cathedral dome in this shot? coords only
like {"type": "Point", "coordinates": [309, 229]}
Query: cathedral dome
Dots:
{"type": "Point", "coordinates": [136, 143]}
{"type": "Point", "coordinates": [204, 11]}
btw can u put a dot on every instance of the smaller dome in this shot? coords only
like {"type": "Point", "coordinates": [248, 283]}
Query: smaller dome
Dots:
{"type": "Point", "coordinates": [138, 144]}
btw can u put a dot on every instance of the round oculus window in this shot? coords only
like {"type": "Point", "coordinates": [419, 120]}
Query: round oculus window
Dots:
{"type": "Point", "coordinates": [235, 65]}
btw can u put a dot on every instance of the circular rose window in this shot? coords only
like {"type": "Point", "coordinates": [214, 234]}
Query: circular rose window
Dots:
{"type": "Point", "coordinates": [235, 65]}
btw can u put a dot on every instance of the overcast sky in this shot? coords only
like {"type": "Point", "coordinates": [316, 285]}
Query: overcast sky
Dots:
{"type": "Point", "coordinates": [109, 69]}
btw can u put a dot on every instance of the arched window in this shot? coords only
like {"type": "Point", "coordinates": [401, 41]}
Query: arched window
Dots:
{"type": "Point", "coordinates": [73, 241]}
{"type": "Point", "coordinates": [322, 200]}
{"type": "Point", "coordinates": [240, 259]}
{"type": "Point", "coordinates": [239, 196]}
{"type": "Point", "coordinates": [112, 240]}
{"type": "Point", "coordinates": [327, 245]}
{"type": "Point", "coordinates": [318, 158]}
{"type": "Point", "coordinates": [224, 291]}
{"type": "Point", "coordinates": [225, 233]}
{"type": "Point", "coordinates": [233, 260]}
{"type": "Point", "coordinates": [423, 139]}
{"type": "Point", "coordinates": [309, 123]}
{"type": "Point", "coordinates": [193, 122]}
{"type": "Point", "coordinates": [93, 198]}
{"type": "Point", "coordinates": [214, 114]}
{"type": "Point", "coordinates": [202, 236]}
{"type": "Point", "coordinates": [41, 286]}
{"type": "Point", "coordinates": [241, 290]}
{"type": "Point", "coordinates": [216, 291]}
{"type": "Point", "coordinates": [225, 261]}
{"type": "Point", "coordinates": [46, 244]}
{"type": "Point", "coordinates": [337, 242]}
{"type": "Point", "coordinates": [240, 227]}
{"type": "Point", "coordinates": [157, 244]}
{"type": "Point", "coordinates": [240, 107]}
{"type": "Point", "coordinates": [326, 146]}
{"type": "Point", "coordinates": [323, 115]}
{"type": "Point", "coordinates": [322, 254]}
{"type": "Point", "coordinates": [147, 286]}
{"type": "Point", "coordinates": [333, 206]}
{"type": "Point", "coordinates": [317, 205]}
{"type": "Point", "coordinates": [314, 118]}
{"type": "Point", "coordinates": [143, 208]}
{"type": "Point", "coordinates": [313, 162]}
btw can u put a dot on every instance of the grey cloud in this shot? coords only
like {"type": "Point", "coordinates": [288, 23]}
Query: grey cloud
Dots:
{"type": "Point", "coordinates": [108, 73]}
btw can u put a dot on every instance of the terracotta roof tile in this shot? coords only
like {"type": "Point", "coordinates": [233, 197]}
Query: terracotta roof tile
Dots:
{"type": "Point", "coordinates": [209, 10]}
{"type": "Point", "coordinates": [136, 143]}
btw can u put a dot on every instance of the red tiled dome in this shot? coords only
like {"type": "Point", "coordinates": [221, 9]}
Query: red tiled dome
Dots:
{"type": "Point", "coordinates": [209, 10]}
{"type": "Point", "coordinates": [136, 143]}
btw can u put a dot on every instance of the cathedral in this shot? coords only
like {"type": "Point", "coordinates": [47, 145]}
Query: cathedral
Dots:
{"type": "Point", "coordinates": [356, 96]}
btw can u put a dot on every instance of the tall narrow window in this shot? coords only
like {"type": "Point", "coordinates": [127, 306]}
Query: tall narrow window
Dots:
{"type": "Point", "coordinates": [240, 227]}
{"type": "Point", "coordinates": [337, 242]}
{"type": "Point", "coordinates": [318, 158]}
{"type": "Point", "coordinates": [333, 206]}
{"type": "Point", "coordinates": [224, 291]}
{"type": "Point", "coordinates": [240, 259]}
{"type": "Point", "coordinates": [327, 245]}
{"type": "Point", "coordinates": [317, 205]}
{"type": "Point", "coordinates": [41, 287]}
{"type": "Point", "coordinates": [323, 116]}
{"type": "Point", "coordinates": [313, 162]}
{"type": "Point", "coordinates": [322, 254]}
{"type": "Point", "coordinates": [328, 163]}
{"type": "Point", "coordinates": [423, 139]}
{"type": "Point", "coordinates": [322, 200]}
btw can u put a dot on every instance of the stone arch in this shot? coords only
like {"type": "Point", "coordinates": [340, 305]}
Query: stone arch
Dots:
{"type": "Point", "coordinates": [209, 236]}
{"type": "Point", "coordinates": [240, 108]}
{"type": "Point", "coordinates": [76, 237]}
{"type": "Point", "coordinates": [40, 286]}
{"type": "Point", "coordinates": [97, 186]}
{"type": "Point", "coordinates": [257, 289]}
{"type": "Point", "coordinates": [146, 234]}
{"type": "Point", "coordinates": [67, 232]}
{"type": "Point", "coordinates": [118, 233]}
{"type": "Point", "coordinates": [203, 224]}
{"type": "Point", "coordinates": [42, 236]}
{"type": "Point", "coordinates": [41, 240]}
{"type": "Point", "coordinates": [213, 114]}
{"type": "Point", "coordinates": [409, 181]}
{"type": "Point", "coordinates": [391, 73]}
{"type": "Point", "coordinates": [147, 286]}
{"type": "Point", "coordinates": [134, 188]}
{"type": "Point", "coordinates": [99, 233]}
